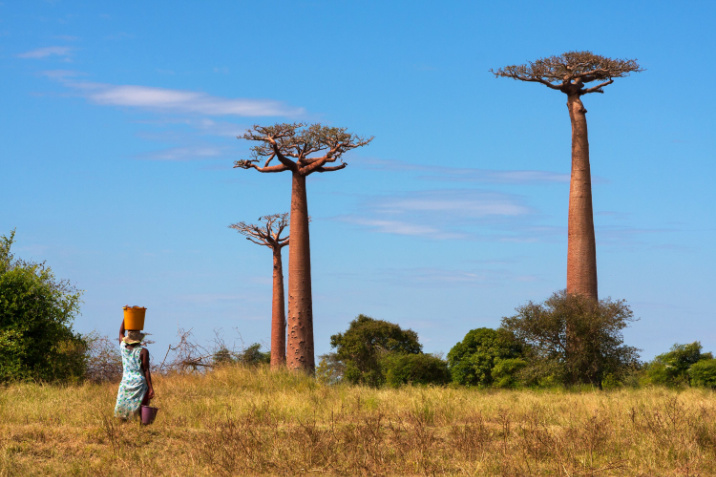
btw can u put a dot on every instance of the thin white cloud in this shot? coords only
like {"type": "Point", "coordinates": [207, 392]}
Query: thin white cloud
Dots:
{"type": "Point", "coordinates": [205, 126]}
{"type": "Point", "coordinates": [40, 53]}
{"type": "Point", "coordinates": [180, 101]}
{"type": "Point", "coordinates": [452, 214]}
{"type": "Point", "coordinates": [184, 153]}
{"type": "Point", "coordinates": [457, 174]}
{"type": "Point", "coordinates": [61, 75]}
{"type": "Point", "coordinates": [397, 227]}
{"type": "Point", "coordinates": [437, 277]}
{"type": "Point", "coordinates": [456, 202]}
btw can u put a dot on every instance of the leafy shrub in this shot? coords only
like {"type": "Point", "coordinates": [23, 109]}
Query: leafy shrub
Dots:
{"type": "Point", "coordinates": [253, 356]}
{"type": "Point", "coordinates": [223, 356]}
{"type": "Point", "coordinates": [703, 373]}
{"type": "Point", "coordinates": [505, 373]}
{"type": "Point", "coordinates": [330, 369]}
{"type": "Point", "coordinates": [400, 369]}
{"type": "Point", "coordinates": [472, 360]}
{"type": "Point", "coordinates": [581, 335]}
{"type": "Point", "coordinates": [366, 341]}
{"type": "Point", "coordinates": [36, 313]}
{"type": "Point", "coordinates": [250, 356]}
{"type": "Point", "coordinates": [672, 368]}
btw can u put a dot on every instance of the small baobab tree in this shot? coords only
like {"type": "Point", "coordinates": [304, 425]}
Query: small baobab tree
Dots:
{"type": "Point", "coordinates": [268, 234]}
{"type": "Point", "coordinates": [570, 73]}
{"type": "Point", "coordinates": [301, 150]}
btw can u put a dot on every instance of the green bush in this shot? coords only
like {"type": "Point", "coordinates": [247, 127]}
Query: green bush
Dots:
{"type": "Point", "coordinates": [360, 349]}
{"type": "Point", "coordinates": [400, 369]}
{"type": "Point", "coordinates": [36, 314]}
{"type": "Point", "coordinates": [672, 368]}
{"type": "Point", "coordinates": [581, 335]}
{"type": "Point", "coordinates": [253, 356]}
{"type": "Point", "coordinates": [505, 373]}
{"type": "Point", "coordinates": [472, 360]}
{"type": "Point", "coordinates": [703, 373]}
{"type": "Point", "coordinates": [250, 356]}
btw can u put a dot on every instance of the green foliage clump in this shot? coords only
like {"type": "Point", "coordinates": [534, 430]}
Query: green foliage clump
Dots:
{"type": "Point", "coordinates": [473, 360]}
{"type": "Point", "coordinates": [506, 372]}
{"type": "Point", "coordinates": [250, 356]}
{"type": "Point", "coordinates": [36, 314]}
{"type": "Point", "coordinates": [362, 349]}
{"type": "Point", "coordinates": [575, 339]}
{"type": "Point", "coordinates": [703, 373]}
{"type": "Point", "coordinates": [399, 369]}
{"type": "Point", "coordinates": [672, 368]}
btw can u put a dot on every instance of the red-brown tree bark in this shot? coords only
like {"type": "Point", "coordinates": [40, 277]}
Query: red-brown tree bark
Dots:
{"type": "Point", "coordinates": [569, 73]}
{"type": "Point", "coordinates": [269, 235]}
{"type": "Point", "coordinates": [278, 314]}
{"type": "Point", "coordinates": [300, 297]}
{"type": "Point", "coordinates": [581, 242]}
{"type": "Point", "coordinates": [302, 151]}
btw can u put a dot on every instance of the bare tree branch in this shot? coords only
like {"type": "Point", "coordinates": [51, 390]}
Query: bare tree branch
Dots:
{"type": "Point", "coordinates": [331, 168]}
{"type": "Point", "coordinates": [598, 88]}
{"type": "Point", "coordinates": [246, 164]}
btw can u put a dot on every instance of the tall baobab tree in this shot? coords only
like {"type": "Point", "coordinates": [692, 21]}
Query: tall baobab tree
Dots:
{"type": "Point", "coordinates": [301, 150]}
{"type": "Point", "coordinates": [570, 73]}
{"type": "Point", "coordinates": [268, 234]}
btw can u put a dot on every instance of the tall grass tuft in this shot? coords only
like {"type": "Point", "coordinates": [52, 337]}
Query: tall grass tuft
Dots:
{"type": "Point", "coordinates": [251, 421]}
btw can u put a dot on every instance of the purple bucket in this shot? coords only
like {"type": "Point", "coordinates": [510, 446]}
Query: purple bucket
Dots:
{"type": "Point", "coordinates": [148, 414]}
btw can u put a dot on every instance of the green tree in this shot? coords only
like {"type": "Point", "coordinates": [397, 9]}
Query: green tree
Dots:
{"type": "Point", "coordinates": [672, 368]}
{"type": "Point", "coordinates": [366, 342]}
{"type": "Point", "coordinates": [594, 346]}
{"type": "Point", "coordinates": [36, 314]}
{"type": "Point", "coordinates": [399, 369]}
{"type": "Point", "coordinates": [473, 359]}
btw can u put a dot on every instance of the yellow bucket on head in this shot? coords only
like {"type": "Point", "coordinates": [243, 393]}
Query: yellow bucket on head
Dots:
{"type": "Point", "coordinates": [134, 317]}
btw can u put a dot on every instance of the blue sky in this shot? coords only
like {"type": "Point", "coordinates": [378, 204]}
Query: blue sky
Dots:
{"type": "Point", "coordinates": [118, 137]}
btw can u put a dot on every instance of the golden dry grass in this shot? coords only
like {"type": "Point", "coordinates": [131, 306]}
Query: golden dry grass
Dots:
{"type": "Point", "coordinates": [237, 421]}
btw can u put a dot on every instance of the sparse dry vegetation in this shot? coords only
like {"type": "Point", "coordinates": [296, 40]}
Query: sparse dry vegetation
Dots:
{"type": "Point", "coordinates": [250, 421]}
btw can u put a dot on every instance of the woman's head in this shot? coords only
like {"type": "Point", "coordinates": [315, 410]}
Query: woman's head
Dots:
{"type": "Point", "coordinates": [134, 337]}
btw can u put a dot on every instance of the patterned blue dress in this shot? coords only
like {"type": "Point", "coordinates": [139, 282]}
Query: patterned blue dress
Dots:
{"type": "Point", "coordinates": [133, 386]}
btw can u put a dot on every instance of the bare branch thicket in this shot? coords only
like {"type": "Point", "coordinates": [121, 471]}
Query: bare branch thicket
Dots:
{"type": "Point", "coordinates": [186, 355]}
{"type": "Point", "coordinates": [104, 363]}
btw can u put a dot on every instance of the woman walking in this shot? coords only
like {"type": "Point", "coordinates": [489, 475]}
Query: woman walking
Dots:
{"type": "Point", "coordinates": [136, 387]}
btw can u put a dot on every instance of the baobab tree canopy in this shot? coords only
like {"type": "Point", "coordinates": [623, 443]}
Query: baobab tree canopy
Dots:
{"type": "Point", "coordinates": [299, 148]}
{"type": "Point", "coordinates": [268, 233]}
{"type": "Point", "coordinates": [571, 71]}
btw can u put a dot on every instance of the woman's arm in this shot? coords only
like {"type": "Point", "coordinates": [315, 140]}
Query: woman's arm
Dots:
{"type": "Point", "coordinates": [144, 358]}
{"type": "Point", "coordinates": [121, 332]}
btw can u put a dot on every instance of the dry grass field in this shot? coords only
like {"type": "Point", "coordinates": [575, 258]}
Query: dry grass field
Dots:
{"type": "Point", "coordinates": [238, 421]}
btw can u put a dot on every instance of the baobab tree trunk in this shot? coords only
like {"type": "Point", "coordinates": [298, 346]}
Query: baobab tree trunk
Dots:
{"type": "Point", "coordinates": [300, 306]}
{"type": "Point", "coordinates": [278, 314]}
{"type": "Point", "coordinates": [581, 246]}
